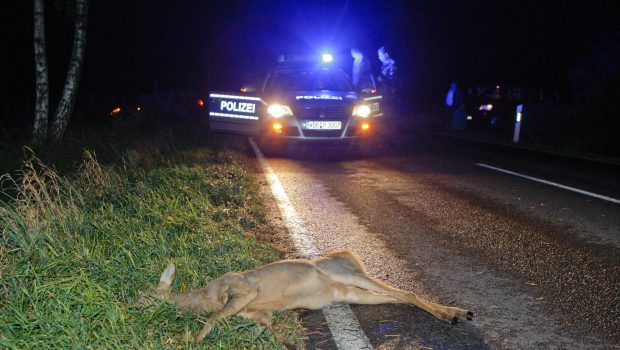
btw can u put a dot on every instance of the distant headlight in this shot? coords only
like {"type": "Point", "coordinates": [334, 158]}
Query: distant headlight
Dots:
{"type": "Point", "coordinates": [485, 107]}
{"type": "Point", "coordinates": [361, 111]}
{"type": "Point", "coordinates": [279, 111]}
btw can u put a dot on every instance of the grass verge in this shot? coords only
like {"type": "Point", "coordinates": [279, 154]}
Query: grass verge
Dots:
{"type": "Point", "coordinates": [75, 249]}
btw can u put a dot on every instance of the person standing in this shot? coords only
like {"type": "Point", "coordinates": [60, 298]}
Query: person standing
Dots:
{"type": "Point", "coordinates": [387, 78]}
{"type": "Point", "coordinates": [361, 76]}
{"type": "Point", "coordinates": [454, 101]}
{"type": "Point", "coordinates": [388, 86]}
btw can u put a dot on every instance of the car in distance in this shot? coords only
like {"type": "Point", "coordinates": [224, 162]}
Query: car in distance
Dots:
{"type": "Point", "coordinates": [492, 106]}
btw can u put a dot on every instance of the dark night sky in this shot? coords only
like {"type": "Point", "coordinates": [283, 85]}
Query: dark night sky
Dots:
{"type": "Point", "coordinates": [203, 44]}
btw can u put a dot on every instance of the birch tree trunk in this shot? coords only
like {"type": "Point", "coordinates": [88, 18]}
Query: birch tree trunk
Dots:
{"type": "Point", "coordinates": [41, 109]}
{"type": "Point", "coordinates": [69, 94]}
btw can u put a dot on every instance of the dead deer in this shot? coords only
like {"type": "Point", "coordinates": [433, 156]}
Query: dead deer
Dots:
{"type": "Point", "coordinates": [339, 277]}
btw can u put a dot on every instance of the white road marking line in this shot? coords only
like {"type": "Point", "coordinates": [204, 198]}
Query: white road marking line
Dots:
{"type": "Point", "coordinates": [341, 320]}
{"type": "Point", "coordinates": [609, 199]}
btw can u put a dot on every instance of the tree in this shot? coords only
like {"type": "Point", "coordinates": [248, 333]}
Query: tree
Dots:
{"type": "Point", "coordinates": [41, 110]}
{"type": "Point", "coordinates": [67, 102]}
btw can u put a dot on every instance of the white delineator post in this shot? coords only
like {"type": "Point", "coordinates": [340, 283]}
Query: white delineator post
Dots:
{"type": "Point", "coordinates": [515, 138]}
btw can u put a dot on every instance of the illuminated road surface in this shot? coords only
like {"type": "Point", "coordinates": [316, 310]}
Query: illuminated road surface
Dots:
{"type": "Point", "coordinates": [537, 264]}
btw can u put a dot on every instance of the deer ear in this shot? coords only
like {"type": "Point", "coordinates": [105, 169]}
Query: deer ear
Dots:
{"type": "Point", "coordinates": [165, 281]}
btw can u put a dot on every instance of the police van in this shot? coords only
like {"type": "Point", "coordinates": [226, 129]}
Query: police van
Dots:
{"type": "Point", "coordinates": [299, 100]}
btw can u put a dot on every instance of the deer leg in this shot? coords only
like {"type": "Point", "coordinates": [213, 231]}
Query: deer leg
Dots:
{"type": "Point", "coordinates": [444, 313]}
{"type": "Point", "coordinates": [235, 304]}
{"type": "Point", "coordinates": [264, 319]}
{"type": "Point", "coordinates": [356, 295]}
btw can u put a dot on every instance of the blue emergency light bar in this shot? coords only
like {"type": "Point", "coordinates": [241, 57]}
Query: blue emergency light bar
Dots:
{"type": "Point", "coordinates": [326, 57]}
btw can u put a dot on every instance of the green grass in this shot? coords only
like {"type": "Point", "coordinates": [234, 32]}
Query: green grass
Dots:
{"type": "Point", "coordinates": [76, 249]}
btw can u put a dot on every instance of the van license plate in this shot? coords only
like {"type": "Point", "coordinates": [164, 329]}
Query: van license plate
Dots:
{"type": "Point", "coordinates": [323, 125]}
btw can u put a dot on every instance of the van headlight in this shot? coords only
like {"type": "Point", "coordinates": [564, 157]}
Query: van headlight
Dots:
{"type": "Point", "coordinates": [361, 111]}
{"type": "Point", "coordinates": [279, 111]}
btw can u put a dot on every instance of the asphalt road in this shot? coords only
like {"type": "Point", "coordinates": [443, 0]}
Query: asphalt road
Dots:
{"type": "Point", "coordinates": [539, 265]}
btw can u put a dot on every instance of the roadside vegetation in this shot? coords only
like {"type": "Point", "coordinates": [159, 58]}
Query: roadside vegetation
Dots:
{"type": "Point", "coordinates": [79, 240]}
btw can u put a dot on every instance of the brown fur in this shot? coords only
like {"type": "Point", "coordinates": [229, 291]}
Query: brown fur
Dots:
{"type": "Point", "coordinates": [339, 277]}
